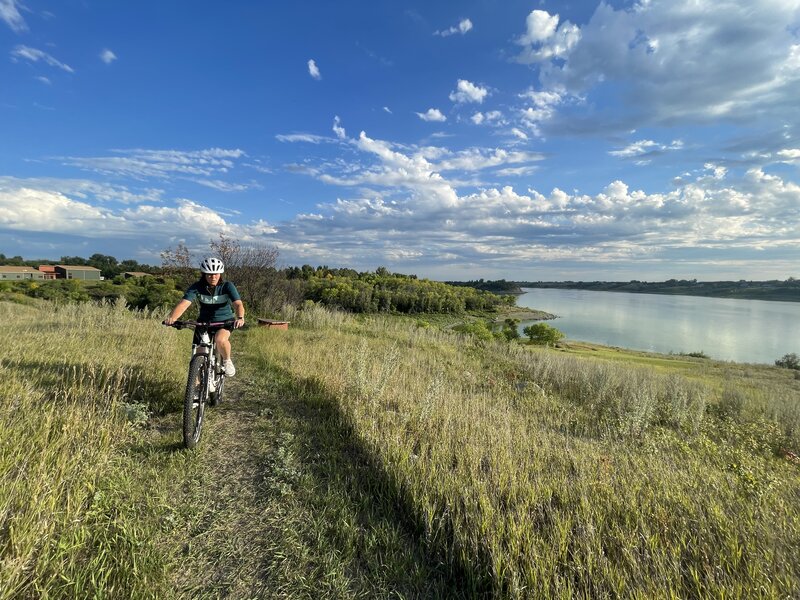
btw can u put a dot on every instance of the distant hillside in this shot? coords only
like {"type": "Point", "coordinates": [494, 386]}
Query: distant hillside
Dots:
{"type": "Point", "coordinates": [787, 291]}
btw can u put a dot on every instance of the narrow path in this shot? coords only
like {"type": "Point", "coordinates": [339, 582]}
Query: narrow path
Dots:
{"type": "Point", "coordinates": [280, 502]}
{"type": "Point", "coordinates": [233, 526]}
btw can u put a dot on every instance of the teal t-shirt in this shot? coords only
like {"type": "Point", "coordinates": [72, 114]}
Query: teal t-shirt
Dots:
{"type": "Point", "coordinates": [215, 301]}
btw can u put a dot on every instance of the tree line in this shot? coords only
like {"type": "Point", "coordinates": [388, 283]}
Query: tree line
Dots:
{"type": "Point", "coordinates": [265, 288]}
{"type": "Point", "coordinates": [382, 291]}
{"type": "Point", "coordinates": [786, 290]}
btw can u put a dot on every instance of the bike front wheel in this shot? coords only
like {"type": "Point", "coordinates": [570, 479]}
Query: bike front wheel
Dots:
{"type": "Point", "coordinates": [194, 401]}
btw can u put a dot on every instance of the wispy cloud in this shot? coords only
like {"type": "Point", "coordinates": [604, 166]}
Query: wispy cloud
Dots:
{"type": "Point", "coordinates": [475, 159]}
{"type": "Point", "coordinates": [85, 189]}
{"type": "Point", "coordinates": [645, 147]}
{"type": "Point", "coordinates": [463, 27]}
{"type": "Point", "coordinates": [9, 12]}
{"type": "Point", "coordinates": [517, 171]}
{"type": "Point", "coordinates": [224, 186]}
{"type": "Point", "coordinates": [432, 114]}
{"type": "Point", "coordinates": [197, 165]}
{"type": "Point", "coordinates": [309, 138]}
{"type": "Point", "coordinates": [35, 55]}
{"type": "Point", "coordinates": [313, 70]}
{"type": "Point", "coordinates": [467, 91]}
{"type": "Point", "coordinates": [107, 56]}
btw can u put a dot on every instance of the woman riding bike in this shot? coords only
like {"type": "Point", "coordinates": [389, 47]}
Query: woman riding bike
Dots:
{"type": "Point", "coordinates": [218, 300]}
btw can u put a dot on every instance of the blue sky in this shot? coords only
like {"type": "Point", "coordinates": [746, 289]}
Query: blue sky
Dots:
{"type": "Point", "coordinates": [642, 139]}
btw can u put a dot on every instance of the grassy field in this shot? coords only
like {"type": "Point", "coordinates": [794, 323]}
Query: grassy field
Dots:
{"type": "Point", "coordinates": [374, 457]}
{"type": "Point", "coordinates": [76, 519]}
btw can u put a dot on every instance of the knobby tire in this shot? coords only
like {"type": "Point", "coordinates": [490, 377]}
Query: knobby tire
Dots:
{"type": "Point", "coordinates": [194, 401]}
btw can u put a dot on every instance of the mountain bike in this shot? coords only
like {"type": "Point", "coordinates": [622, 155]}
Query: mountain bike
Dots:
{"type": "Point", "coordinates": [206, 377]}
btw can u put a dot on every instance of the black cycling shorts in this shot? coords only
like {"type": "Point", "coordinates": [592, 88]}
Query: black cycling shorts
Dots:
{"type": "Point", "coordinates": [212, 330]}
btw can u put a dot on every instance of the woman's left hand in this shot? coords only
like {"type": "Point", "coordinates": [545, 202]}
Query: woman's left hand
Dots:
{"type": "Point", "coordinates": [239, 322]}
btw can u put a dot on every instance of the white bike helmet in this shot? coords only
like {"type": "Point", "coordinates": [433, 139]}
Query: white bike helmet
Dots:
{"type": "Point", "coordinates": [212, 265]}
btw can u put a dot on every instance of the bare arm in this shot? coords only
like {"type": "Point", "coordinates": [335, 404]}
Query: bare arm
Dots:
{"type": "Point", "coordinates": [238, 310]}
{"type": "Point", "coordinates": [176, 313]}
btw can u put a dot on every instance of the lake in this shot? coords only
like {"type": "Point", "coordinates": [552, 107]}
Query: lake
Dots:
{"type": "Point", "coordinates": [755, 331]}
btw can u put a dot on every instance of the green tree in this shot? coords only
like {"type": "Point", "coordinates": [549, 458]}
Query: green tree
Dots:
{"type": "Point", "coordinates": [789, 361]}
{"type": "Point", "coordinates": [77, 261]}
{"type": "Point", "coordinates": [511, 329]}
{"type": "Point", "coordinates": [543, 334]}
{"type": "Point", "coordinates": [107, 264]}
{"type": "Point", "coordinates": [480, 329]}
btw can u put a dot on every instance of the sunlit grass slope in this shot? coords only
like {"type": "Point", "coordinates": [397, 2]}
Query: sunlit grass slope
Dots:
{"type": "Point", "coordinates": [73, 516]}
{"type": "Point", "coordinates": [537, 474]}
{"type": "Point", "coordinates": [525, 472]}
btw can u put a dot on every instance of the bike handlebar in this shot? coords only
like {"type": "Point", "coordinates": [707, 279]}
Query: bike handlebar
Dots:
{"type": "Point", "coordinates": [196, 324]}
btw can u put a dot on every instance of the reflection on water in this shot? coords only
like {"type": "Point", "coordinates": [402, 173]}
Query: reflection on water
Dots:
{"type": "Point", "coordinates": [739, 330]}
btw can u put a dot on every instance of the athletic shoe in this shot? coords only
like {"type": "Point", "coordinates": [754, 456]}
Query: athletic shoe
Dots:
{"type": "Point", "coordinates": [230, 370]}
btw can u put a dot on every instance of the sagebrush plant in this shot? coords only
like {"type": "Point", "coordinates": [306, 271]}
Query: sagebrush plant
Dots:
{"type": "Point", "coordinates": [534, 473]}
{"type": "Point", "coordinates": [70, 510]}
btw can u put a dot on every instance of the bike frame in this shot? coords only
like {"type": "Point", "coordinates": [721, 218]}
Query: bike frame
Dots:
{"type": "Point", "coordinates": [194, 404]}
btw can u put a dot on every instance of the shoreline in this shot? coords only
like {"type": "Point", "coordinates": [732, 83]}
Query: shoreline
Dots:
{"type": "Point", "coordinates": [523, 314]}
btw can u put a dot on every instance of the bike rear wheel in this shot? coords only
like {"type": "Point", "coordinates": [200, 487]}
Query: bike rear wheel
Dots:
{"type": "Point", "coordinates": [194, 401]}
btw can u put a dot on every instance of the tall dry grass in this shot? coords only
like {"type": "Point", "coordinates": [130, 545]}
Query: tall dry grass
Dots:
{"type": "Point", "coordinates": [74, 378]}
{"type": "Point", "coordinates": [535, 474]}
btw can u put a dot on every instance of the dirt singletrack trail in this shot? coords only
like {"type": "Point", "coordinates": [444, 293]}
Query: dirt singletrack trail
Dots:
{"type": "Point", "coordinates": [230, 533]}
{"type": "Point", "coordinates": [280, 502]}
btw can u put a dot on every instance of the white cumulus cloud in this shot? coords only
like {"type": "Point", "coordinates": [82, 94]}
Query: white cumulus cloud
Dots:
{"type": "Point", "coordinates": [107, 56]}
{"type": "Point", "coordinates": [432, 114]}
{"type": "Point", "coordinates": [338, 129]}
{"type": "Point", "coordinates": [673, 61]}
{"type": "Point", "coordinates": [463, 27]}
{"type": "Point", "coordinates": [540, 26]}
{"type": "Point", "coordinates": [313, 70]}
{"type": "Point", "coordinates": [544, 39]}
{"type": "Point", "coordinates": [467, 91]}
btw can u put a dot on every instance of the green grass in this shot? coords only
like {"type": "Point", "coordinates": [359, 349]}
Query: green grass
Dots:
{"type": "Point", "coordinates": [373, 457]}
{"type": "Point", "coordinates": [528, 470]}
{"type": "Point", "coordinates": [74, 518]}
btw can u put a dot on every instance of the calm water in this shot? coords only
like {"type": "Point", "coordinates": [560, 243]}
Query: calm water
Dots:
{"type": "Point", "coordinates": [753, 331]}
